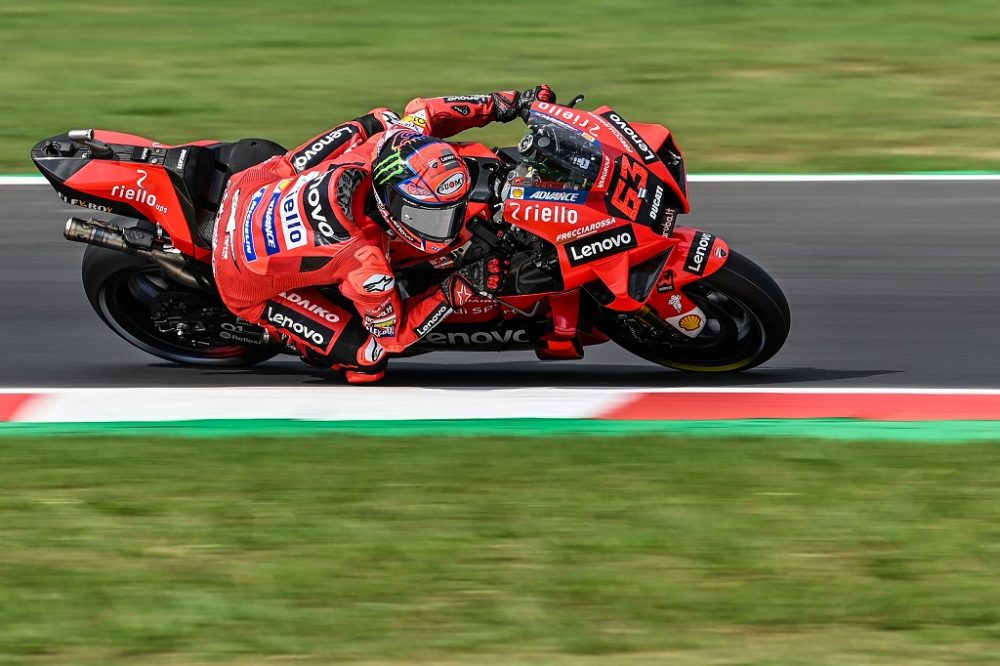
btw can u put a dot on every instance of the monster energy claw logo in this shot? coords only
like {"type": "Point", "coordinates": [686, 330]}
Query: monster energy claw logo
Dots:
{"type": "Point", "coordinates": [391, 166]}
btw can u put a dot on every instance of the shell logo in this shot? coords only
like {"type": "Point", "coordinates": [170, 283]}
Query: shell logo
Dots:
{"type": "Point", "coordinates": [691, 322]}
{"type": "Point", "coordinates": [517, 193]}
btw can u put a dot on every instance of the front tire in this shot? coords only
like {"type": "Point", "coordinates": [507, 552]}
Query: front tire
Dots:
{"type": "Point", "coordinates": [747, 323]}
{"type": "Point", "coordinates": [128, 292]}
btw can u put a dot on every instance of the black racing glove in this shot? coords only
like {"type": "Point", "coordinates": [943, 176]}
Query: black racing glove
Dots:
{"type": "Point", "coordinates": [511, 103]}
{"type": "Point", "coordinates": [483, 277]}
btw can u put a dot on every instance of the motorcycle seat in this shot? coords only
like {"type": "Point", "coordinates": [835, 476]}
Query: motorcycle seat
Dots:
{"type": "Point", "coordinates": [209, 168]}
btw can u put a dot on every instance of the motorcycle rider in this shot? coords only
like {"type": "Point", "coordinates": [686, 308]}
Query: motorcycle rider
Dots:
{"type": "Point", "coordinates": [323, 213]}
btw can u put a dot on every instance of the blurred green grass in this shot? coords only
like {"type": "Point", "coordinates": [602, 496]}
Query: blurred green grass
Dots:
{"type": "Point", "coordinates": [590, 550]}
{"type": "Point", "coordinates": [748, 86]}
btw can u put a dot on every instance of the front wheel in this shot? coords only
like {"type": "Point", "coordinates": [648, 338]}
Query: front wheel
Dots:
{"type": "Point", "coordinates": [747, 323]}
{"type": "Point", "coordinates": [157, 315]}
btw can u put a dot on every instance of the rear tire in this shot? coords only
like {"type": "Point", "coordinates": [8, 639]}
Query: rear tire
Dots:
{"type": "Point", "coordinates": [121, 287]}
{"type": "Point", "coordinates": [747, 323]}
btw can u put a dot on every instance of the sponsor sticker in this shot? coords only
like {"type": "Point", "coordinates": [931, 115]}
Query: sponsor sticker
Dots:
{"type": "Point", "coordinates": [631, 136]}
{"type": "Point", "coordinates": [381, 327]}
{"type": "Point", "coordinates": [319, 213]}
{"type": "Point", "coordinates": [83, 203]}
{"type": "Point", "coordinates": [268, 223]}
{"type": "Point", "coordinates": [666, 283]}
{"type": "Point", "coordinates": [541, 212]}
{"type": "Point", "coordinates": [292, 225]}
{"type": "Point", "coordinates": [451, 185]}
{"type": "Point", "coordinates": [669, 219]}
{"type": "Point", "coordinates": [697, 256]}
{"type": "Point", "coordinates": [324, 146]}
{"type": "Point", "coordinates": [569, 117]}
{"type": "Point", "coordinates": [584, 230]}
{"type": "Point", "coordinates": [600, 246]}
{"type": "Point", "coordinates": [379, 282]}
{"type": "Point", "coordinates": [562, 196]}
{"type": "Point", "coordinates": [689, 323]}
{"type": "Point", "coordinates": [138, 192]}
{"type": "Point", "coordinates": [432, 320]}
{"type": "Point", "coordinates": [476, 99]}
{"type": "Point", "coordinates": [602, 180]}
{"type": "Point", "coordinates": [414, 121]}
{"type": "Point", "coordinates": [249, 251]}
{"type": "Point", "coordinates": [374, 351]}
{"type": "Point", "coordinates": [300, 326]}
{"type": "Point", "coordinates": [309, 306]}
{"type": "Point", "coordinates": [675, 303]}
{"type": "Point", "coordinates": [480, 338]}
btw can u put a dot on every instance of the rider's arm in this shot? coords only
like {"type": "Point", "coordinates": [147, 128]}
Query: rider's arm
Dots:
{"type": "Point", "coordinates": [337, 141]}
{"type": "Point", "coordinates": [443, 117]}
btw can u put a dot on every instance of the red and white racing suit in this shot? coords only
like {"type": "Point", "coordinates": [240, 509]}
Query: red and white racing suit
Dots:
{"type": "Point", "coordinates": [299, 221]}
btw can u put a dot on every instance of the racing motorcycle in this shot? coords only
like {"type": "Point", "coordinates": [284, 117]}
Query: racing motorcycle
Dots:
{"type": "Point", "coordinates": [585, 208]}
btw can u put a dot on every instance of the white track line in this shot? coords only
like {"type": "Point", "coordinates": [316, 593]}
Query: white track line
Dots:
{"type": "Point", "coordinates": [372, 403]}
{"type": "Point", "coordinates": [726, 178]}
{"type": "Point", "coordinates": [208, 390]}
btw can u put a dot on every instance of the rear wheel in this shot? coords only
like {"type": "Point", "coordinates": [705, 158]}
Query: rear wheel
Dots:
{"type": "Point", "coordinates": [161, 317]}
{"type": "Point", "coordinates": [747, 323]}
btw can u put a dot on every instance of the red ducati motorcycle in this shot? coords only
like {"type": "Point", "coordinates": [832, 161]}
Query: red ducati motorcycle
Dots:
{"type": "Point", "coordinates": [585, 208]}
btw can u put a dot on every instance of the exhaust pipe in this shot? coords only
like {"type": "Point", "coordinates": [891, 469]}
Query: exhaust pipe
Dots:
{"type": "Point", "coordinates": [139, 242]}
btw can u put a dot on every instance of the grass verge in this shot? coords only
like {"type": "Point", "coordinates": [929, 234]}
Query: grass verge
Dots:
{"type": "Point", "coordinates": [764, 86]}
{"type": "Point", "coordinates": [590, 550]}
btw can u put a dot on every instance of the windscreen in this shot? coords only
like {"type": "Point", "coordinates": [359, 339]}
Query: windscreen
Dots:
{"type": "Point", "coordinates": [560, 152]}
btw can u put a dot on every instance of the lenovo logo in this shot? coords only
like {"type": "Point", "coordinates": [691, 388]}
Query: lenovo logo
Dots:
{"type": "Point", "coordinates": [648, 156]}
{"type": "Point", "coordinates": [697, 257]}
{"type": "Point", "coordinates": [599, 246]}
{"type": "Point", "coordinates": [477, 338]}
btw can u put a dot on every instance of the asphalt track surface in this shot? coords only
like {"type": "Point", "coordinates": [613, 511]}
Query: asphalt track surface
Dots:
{"type": "Point", "coordinates": [891, 284]}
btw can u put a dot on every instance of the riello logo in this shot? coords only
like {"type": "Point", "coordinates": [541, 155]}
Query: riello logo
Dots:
{"type": "Point", "coordinates": [138, 193]}
{"type": "Point", "coordinates": [540, 212]}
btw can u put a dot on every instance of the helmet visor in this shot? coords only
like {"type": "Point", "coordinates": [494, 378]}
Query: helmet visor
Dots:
{"type": "Point", "coordinates": [434, 224]}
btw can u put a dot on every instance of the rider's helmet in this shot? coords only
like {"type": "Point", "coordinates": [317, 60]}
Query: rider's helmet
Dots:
{"type": "Point", "coordinates": [421, 185]}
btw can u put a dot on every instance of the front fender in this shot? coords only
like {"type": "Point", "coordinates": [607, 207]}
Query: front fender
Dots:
{"type": "Point", "coordinates": [698, 254]}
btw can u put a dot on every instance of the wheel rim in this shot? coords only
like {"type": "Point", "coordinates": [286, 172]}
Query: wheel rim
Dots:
{"type": "Point", "coordinates": [124, 301]}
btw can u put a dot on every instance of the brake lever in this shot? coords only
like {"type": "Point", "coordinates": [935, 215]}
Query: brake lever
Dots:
{"type": "Point", "coordinates": [576, 100]}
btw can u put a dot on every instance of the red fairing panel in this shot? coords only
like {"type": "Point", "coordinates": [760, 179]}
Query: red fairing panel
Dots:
{"type": "Point", "coordinates": [697, 254]}
{"type": "Point", "coordinates": [145, 187]}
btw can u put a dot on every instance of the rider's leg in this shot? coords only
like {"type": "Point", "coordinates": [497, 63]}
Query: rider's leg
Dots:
{"type": "Point", "coordinates": [324, 333]}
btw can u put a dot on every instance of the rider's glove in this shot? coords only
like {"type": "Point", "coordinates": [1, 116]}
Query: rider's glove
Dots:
{"type": "Point", "coordinates": [483, 277]}
{"type": "Point", "coordinates": [511, 104]}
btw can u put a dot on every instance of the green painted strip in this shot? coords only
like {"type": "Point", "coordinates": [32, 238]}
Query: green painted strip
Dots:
{"type": "Point", "coordinates": [844, 429]}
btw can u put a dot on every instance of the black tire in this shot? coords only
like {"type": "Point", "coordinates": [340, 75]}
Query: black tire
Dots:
{"type": "Point", "coordinates": [116, 283]}
{"type": "Point", "coordinates": [748, 322]}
